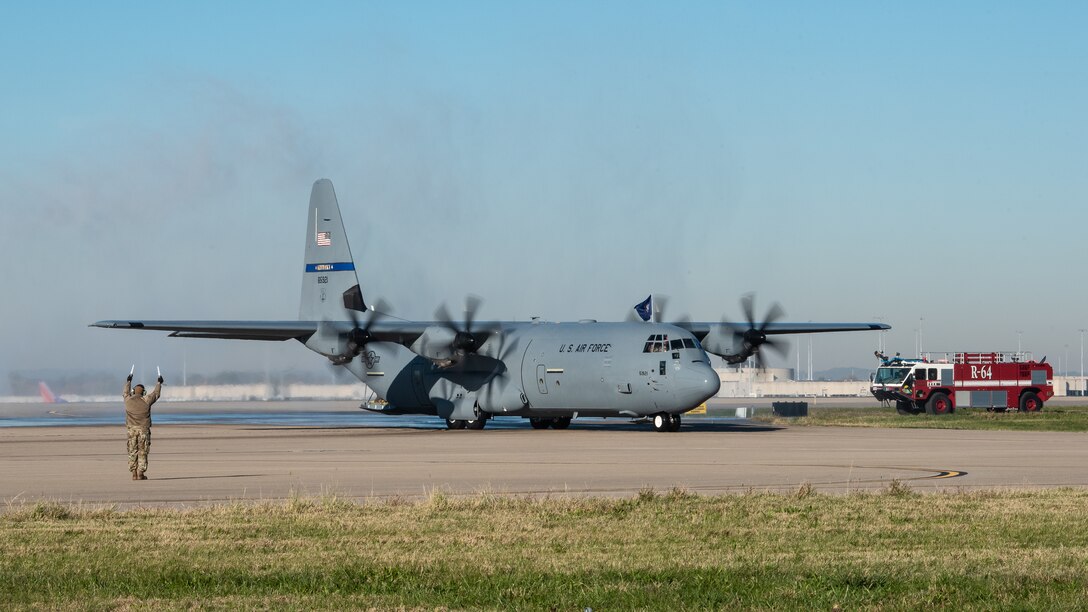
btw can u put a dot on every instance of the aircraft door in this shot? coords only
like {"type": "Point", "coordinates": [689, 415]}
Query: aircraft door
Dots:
{"type": "Point", "coordinates": [535, 377]}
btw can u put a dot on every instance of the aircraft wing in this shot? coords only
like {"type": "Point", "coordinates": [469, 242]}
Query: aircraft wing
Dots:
{"type": "Point", "coordinates": [233, 330]}
{"type": "Point", "coordinates": [403, 332]}
{"type": "Point", "coordinates": [735, 342]}
{"type": "Point", "coordinates": [702, 329]}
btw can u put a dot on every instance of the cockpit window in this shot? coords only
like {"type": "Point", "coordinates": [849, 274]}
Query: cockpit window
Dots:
{"type": "Point", "coordinates": [657, 343]}
{"type": "Point", "coordinates": [660, 343]}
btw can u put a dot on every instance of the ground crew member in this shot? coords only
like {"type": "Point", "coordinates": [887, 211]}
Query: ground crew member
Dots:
{"type": "Point", "coordinates": [138, 424]}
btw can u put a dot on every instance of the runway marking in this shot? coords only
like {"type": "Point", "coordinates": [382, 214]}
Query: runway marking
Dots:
{"type": "Point", "coordinates": [938, 474]}
{"type": "Point", "coordinates": [945, 474]}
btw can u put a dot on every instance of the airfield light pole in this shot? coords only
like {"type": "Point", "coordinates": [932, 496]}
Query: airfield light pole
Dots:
{"type": "Point", "coordinates": [1083, 356]}
{"type": "Point", "coordinates": [810, 357]}
{"type": "Point", "coordinates": [920, 320]}
{"type": "Point", "coordinates": [797, 372]}
{"type": "Point", "coordinates": [1019, 333]}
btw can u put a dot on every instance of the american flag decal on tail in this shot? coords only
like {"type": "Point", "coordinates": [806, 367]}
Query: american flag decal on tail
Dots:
{"type": "Point", "coordinates": [324, 239]}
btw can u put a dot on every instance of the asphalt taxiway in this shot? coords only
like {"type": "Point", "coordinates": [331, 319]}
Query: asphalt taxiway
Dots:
{"type": "Point", "coordinates": [382, 457]}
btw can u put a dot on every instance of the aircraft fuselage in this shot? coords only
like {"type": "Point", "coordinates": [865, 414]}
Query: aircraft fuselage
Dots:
{"type": "Point", "coordinates": [551, 370]}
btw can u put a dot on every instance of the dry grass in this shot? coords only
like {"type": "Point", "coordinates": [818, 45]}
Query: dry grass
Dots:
{"type": "Point", "coordinates": [1062, 418]}
{"type": "Point", "coordinates": [895, 549]}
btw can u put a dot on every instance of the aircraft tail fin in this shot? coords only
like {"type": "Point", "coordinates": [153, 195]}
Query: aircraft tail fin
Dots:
{"type": "Point", "coordinates": [329, 282]}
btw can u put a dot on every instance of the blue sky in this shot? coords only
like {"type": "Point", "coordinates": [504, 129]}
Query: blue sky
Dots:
{"type": "Point", "coordinates": [560, 159]}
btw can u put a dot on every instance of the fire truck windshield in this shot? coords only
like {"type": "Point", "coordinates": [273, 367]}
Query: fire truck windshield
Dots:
{"type": "Point", "coordinates": [886, 376]}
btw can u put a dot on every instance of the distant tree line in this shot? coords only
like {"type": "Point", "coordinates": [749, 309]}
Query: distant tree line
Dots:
{"type": "Point", "coordinates": [63, 382]}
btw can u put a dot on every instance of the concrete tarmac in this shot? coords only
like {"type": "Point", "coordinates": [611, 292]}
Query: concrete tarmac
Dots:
{"type": "Point", "coordinates": [195, 464]}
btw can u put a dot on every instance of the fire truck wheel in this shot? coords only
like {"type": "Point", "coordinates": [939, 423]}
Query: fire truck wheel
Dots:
{"type": "Point", "coordinates": [1029, 402]}
{"type": "Point", "coordinates": [939, 404]}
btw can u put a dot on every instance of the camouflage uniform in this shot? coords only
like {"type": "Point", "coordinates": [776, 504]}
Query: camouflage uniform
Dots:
{"type": "Point", "coordinates": [138, 424]}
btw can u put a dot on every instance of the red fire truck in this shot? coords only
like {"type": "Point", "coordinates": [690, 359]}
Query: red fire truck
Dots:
{"type": "Point", "coordinates": [994, 381]}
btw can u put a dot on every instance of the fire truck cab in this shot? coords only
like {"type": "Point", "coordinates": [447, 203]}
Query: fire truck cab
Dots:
{"type": "Point", "coordinates": [994, 381]}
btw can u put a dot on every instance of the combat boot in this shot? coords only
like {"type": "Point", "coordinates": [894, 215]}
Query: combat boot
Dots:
{"type": "Point", "coordinates": [142, 477]}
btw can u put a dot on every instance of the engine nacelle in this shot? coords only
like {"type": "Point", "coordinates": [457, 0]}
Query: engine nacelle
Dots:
{"type": "Point", "coordinates": [328, 341]}
{"type": "Point", "coordinates": [436, 343]}
{"type": "Point", "coordinates": [501, 396]}
{"type": "Point", "coordinates": [721, 341]}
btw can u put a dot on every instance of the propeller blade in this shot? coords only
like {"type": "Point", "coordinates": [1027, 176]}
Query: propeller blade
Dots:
{"type": "Point", "coordinates": [442, 315]}
{"type": "Point", "coordinates": [774, 313]}
{"type": "Point", "coordinates": [747, 305]}
{"type": "Point", "coordinates": [379, 310]}
{"type": "Point", "coordinates": [661, 303]}
{"type": "Point", "coordinates": [472, 305]}
{"type": "Point", "coordinates": [507, 348]}
{"type": "Point", "coordinates": [780, 347]}
{"type": "Point", "coordinates": [754, 337]}
{"type": "Point", "coordinates": [463, 341]}
{"type": "Point", "coordinates": [360, 334]}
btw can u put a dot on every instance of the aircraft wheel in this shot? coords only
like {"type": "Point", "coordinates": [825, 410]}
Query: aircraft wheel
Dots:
{"type": "Point", "coordinates": [1030, 402]}
{"type": "Point", "coordinates": [476, 424]}
{"type": "Point", "coordinates": [561, 423]}
{"type": "Point", "coordinates": [661, 422]}
{"type": "Point", "coordinates": [454, 424]}
{"type": "Point", "coordinates": [674, 422]}
{"type": "Point", "coordinates": [939, 403]}
{"type": "Point", "coordinates": [539, 423]}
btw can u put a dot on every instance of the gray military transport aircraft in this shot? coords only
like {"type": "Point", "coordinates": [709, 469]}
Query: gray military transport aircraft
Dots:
{"type": "Point", "coordinates": [470, 371]}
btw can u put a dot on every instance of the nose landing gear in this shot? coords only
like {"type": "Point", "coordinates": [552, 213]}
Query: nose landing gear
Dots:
{"type": "Point", "coordinates": [664, 421]}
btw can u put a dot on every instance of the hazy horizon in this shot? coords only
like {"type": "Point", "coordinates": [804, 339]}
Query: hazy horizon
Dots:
{"type": "Point", "coordinates": [919, 165]}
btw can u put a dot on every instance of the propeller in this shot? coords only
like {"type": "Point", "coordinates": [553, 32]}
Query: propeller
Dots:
{"type": "Point", "coordinates": [360, 334]}
{"type": "Point", "coordinates": [661, 303]}
{"type": "Point", "coordinates": [500, 346]}
{"type": "Point", "coordinates": [463, 341]}
{"type": "Point", "coordinates": [754, 337]}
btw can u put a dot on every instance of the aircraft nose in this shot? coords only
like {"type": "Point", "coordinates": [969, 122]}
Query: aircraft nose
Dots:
{"type": "Point", "coordinates": [699, 382]}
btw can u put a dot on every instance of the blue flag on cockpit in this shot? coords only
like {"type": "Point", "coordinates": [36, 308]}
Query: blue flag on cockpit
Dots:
{"type": "Point", "coordinates": [645, 308]}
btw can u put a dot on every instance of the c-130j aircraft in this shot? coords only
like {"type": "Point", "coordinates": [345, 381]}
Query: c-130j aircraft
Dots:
{"type": "Point", "coordinates": [470, 371]}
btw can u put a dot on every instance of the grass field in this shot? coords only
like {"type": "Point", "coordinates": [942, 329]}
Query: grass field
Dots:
{"type": "Point", "coordinates": [892, 550]}
{"type": "Point", "coordinates": [1051, 418]}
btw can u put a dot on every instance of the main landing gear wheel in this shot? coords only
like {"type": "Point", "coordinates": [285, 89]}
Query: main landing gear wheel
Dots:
{"type": "Point", "coordinates": [560, 422]}
{"type": "Point", "coordinates": [939, 403]}
{"type": "Point", "coordinates": [454, 424]}
{"type": "Point", "coordinates": [539, 423]}
{"type": "Point", "coordinates": [476, 424]}
{"type": "Point", "coordinates": [1030, 402]}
